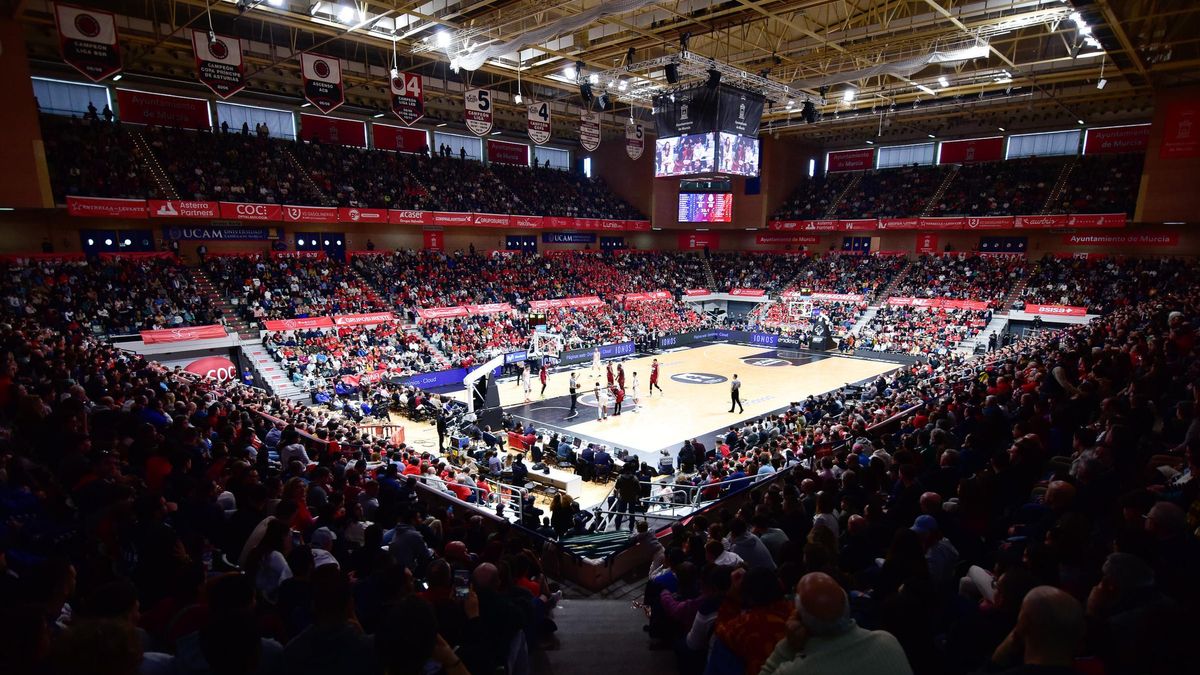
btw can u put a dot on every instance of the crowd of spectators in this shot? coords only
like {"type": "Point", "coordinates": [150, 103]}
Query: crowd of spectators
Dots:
{"type": "Point", "coordinates": [790, 317]}
{"type": "Point", "coordinates": [857, 275]}
{"type": "Point", "coordinates": [1009, 188]}
{"type": "Point", "coordinates": [289, 287]}
{"type": "Point", "coordinates": [556, 192]}
{"type": "Point", "coordinates": [886, 193]}
{"type": "Point", "coordinates": [1100, 283]}
{"type": "Point", "coordinates": [117, 296]}
{"type": "Point", "coordinates": [1033, 512]}
{"type": "Point", "coordinates": [921, 330]}
{"type": "Point", "coordinates": [1102, 184]}
{"type": "Point", "coordinates": [769, 271]}
{"type": "Point", "coordinates": [232, 167]}
{"type": "Point", "coordinates": [674, 271]}
{"type": "Point", "coordinates": [814, 197]}
{"type": "Point", "coordinates": [83, 156]}
{"type": "Point", "coordinates": [365, 178]}
{"type": "Point", "coordinates": [147, 527]}
{"type": "Point", "coordinates": [311, 358]}
{"type": "Point", "coordinates": [469, 340]}
{"type": "Point", "coordinates": [987, 278]}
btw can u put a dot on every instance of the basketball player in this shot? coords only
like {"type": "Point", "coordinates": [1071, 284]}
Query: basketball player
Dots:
{"type": "Point", "coordinates": [596, 360]}
{"type": "Point", "coordinates": [735, 395]}
{"type": "Point", "coordinates": [654, 379]}
{"type": "Point", "coordinates": [637, 397]}
{"type": "Point", "coordinates": [525, 384]}
{"type": "Point", "coordinates": [573, 387]}
{"type": "Point", "coordinates": [608, 368]}
{"type": "Point", "coordinates": [620, 376]}
{"type": "Point", "coordinates": [543, 375]}
{"type": "Point", "coordinates": [601, 402]}
{"type": "Point", "coordinates": [618, 396]}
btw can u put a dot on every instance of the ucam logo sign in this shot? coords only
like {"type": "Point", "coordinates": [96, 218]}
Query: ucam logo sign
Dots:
{"type": "Point", "coordinates": [698, 378]}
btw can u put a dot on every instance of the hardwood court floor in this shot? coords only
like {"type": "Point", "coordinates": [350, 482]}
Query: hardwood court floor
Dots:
{"type": "Point", "coordinates": [695, 402]}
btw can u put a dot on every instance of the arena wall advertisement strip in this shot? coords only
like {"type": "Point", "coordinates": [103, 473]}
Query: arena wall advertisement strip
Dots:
{"type": "Point", "coordinates": [577, 301]}
{"type": "Point", "coordinates": [239, 211]}
{"type": "Point", "coordinates": [310, 214]}
{"type": "Point", "coordinates": [575, 356]}
{"type": "Point", "coordinates": [692, 292]}
{"type": "Point", "coordinates": [104, 207]}
{"type": "Point", "coordinates": [169, 208]}
{"type": "Point", "coordinates": [851, 160]}
{"type": "Point", "coordinates": [937, 303]}
{"type": "Point", "coordinates": [632, 298]}
{"type": "Point", "coordinates": [1109, 140]}
{"type": "Point", "coordinates": [363, 319]}
{"type": "Point", "coordinates": [153, 337]}
{"type": "Point", "coordinates": [748, 292]}
{"type": "Point", "coordinates": [88, 39]}
{"type": "Point", "coordinates": [1056, 310]}
{"type": "Point", "coordinates": [826, 297]}
{"type": "Point", "coordinates": [357, 215]}
{"type": "Point", "coordinates": [442, 378]}
{"type": "Point", "coordinates": [1133, 240]}
{"type": "Point", "coordinates": [299, 324]}
{"type": "Point", "coordinates": [219, 63]}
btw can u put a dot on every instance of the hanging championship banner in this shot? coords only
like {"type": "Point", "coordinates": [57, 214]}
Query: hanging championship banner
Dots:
{"type": "Point", "coordinates": [539, 122]}
{"type": "Point", "coordinates": [408, 98]}
{"type": "Point", "coordinates": [88, 39]}
{"type": "Point", "coordinates": [635, 139]}
{"type": "Point", "coordinates": [589, 130]}
{"type": "Point", "coordinates": [322, 81]}
{"type": "Point", "coordinates": [219, 63]}
{"type": "Point", "coordinates": [478, 109]}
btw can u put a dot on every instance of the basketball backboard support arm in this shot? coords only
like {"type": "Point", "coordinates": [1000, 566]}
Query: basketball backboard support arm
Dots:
{"type": "Point", "coordinates": [474, 376]}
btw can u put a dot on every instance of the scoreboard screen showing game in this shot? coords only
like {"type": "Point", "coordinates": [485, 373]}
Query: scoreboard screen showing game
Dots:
{"type": "Point", "coordinates": [711, 207]}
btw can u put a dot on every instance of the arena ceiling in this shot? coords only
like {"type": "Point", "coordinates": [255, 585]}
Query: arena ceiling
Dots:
{"type": "Point", "coordinates": [1035, 63]}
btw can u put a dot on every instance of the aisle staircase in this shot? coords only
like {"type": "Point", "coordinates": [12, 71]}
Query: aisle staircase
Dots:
{"type": "Point", "coordinates": [996, 326]}
{"type": "Point", "coordinates": [951, 175]}
{"type": "Point", "coordinates": [890, 290]}
{"type": "Point", "coordinates": [864, 319]}
{"type": "Point", "coordinates": [852, 185]}
{"type": "Point", "coordinates": [270, 372]}
{"type": "Point", "coordinates": [230, 314]}
{"type": "Point", "coordinates": [708, 275]}
{"type": "Point", "coordinates": [326, 200]}
{"type": "Point", "coordinates": [1016, 292]}
{"type": "Point", "coordinates": [1061, 184]}
{"type": "Point", "coordinates": [165, 186]}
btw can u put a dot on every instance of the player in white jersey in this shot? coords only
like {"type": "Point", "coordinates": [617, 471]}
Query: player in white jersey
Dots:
{"type": "Point", "coordinates": [636, 391]}
{"type": "Point", "coordinates": [526, 385]}
{"type": "Point", "coordinates": [596, 360]}
{"type": "Point", "coordinates": [601, 402]}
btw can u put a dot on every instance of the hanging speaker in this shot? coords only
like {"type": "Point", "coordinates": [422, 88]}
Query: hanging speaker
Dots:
{"type": "Point", "coordinates": [672, 73]}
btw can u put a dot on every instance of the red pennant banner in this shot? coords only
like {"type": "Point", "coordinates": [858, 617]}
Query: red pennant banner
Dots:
{"type": "Point", "coordinates": [88, 39]}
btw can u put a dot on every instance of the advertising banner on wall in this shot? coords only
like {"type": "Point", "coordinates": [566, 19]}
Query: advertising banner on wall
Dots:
{"type": "Point", "coordinates": [103, 207]}
{"type": "Point", "coordinates": [88, 39]}
{"type": "Point", "coordinates": [1181, 130]}
{"type": "Point", "coordinates": [333, 130]}
{"type": "Point", "coordinates": [538, 122]}
{"type": "Point", "coordinates": [219, 63]}
{"type": "Point", "coordinates": [698, 240]}
{"type": "Point", "coordinates": [851, 160]}
{"type": "Point", "coordinates": [310, 214]}
{"type": "Point", "coordinates": [972, 150]}
{"type": "Point", "coordinates": [804, 239]}
{"type": "Point", "coordinates": [503, 152]}
{"type": "Point", "coordinates": [589, 130]}
{"type": "Point", "coordinates": [927, 243]}
{"type": "Point", "coordinates": [140, 107]}
{"type": "Point", "coordinates": [434, 240]}
{"type": "Point", "coordinates": [299, 324]}
{"type": "Point", "coordinates": [238, 211]}
{"type": "Point", "coordinates": [1056, 310]}
{"type": "Point", "coordinates": [170, 208]}
{"type": "Point", "coordinates": [399, 139]}
{"type": "Point", "coordinates": [220, 233]}
{"type": "Point", "coordinates": [1132, 240]}
{"type": "Point", "coordinates": [408, 97]}
{"type": "Point", "coordinates": [477, 110]}
{"type": "Point", "coordinates": [1112, 140]}
{"type": "Point", "coordinates": [153, 337]}
{"type": "Point", "coordinates": [322, 81]}
{"type": "Point", "coordinates": [568, 238]}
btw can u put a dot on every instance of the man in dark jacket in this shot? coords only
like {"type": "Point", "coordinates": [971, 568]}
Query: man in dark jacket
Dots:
{"type": "Point", "coordinates": [628, 491]}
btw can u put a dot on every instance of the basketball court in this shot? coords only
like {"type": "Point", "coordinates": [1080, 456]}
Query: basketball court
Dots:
{"type": "Point", "coordinates": [695, 398]}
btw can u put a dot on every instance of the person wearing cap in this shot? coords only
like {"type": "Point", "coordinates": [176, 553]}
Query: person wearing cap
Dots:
{"type": "Point", "coordinates": [822, 638]}
{"type": "Point", "coordinates": [322, 543]}
{"type": "Point", "coordinates": [940, 554]}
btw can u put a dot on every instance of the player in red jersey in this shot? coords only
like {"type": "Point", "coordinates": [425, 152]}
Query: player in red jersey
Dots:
{"type": "Point", "coordinates": [610, 375]}
{"type": "Point", "coordinates": [620, 376]}
{"type": "Point", "coordinates": [654, 378]}
{"type": "Point", "coordinates": [542, 376]}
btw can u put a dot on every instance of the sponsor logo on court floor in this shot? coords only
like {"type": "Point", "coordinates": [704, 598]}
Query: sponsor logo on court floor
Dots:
{"type": "Point", "coordinates": [765, 361]}
{"type": "Point", "coordinates": [699, 378]}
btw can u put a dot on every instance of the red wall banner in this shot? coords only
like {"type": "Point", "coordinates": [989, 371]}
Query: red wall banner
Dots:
{"type": "Point", "coordinates": [333, 131]}
{"type": "Point", "coordinates": [152, 337]}
{"type": "Point", "coordinates": [1111, 140]}
{"type": "Point", "coordinates": [695, 240]}
{"type": "Point", "coordinates": [692, 292]}
{"type": "Point", "coordinates": [631, 298]}
{"type": "Point", "coordinates": [507, 153]}
{"type": "Point", "coordinates": [927, 243]}
{"type": "Point", "coordinates": [398, 217]}
{"type": "Point", "coordinates": [299, 324]}
{"type": "Point", "coordinates": [1039, 222]}
{"type": "Point", "coordinates": [972, 150]}
{"type": "Point", "coordinates": [139, 107]}
{"type": "Point", "coordinates": [1181, 131]}
{"type": "Point", "coordinates": [748, 292]}
{"type": "Point", "coordinates": [1056, 310]}
{"type": "Point", "coordinates": [363, 319]}
{"type": "Point", "coordinates": [1133, 240]}
{"type": "Point", "coordinates": [400, 139]}
{"type": "Point", "coordinates": [435, 240]}
{"type": "Point", "coordinates": [103, 207]}
{"type": "Point", "coordinates": [938, 303]}
{"type": "Point", "coordinates": [216, 368]}
{"type": "Point", "coordinates": [578, 301]}
{"type": "Point", "coordinates": [851, 160]}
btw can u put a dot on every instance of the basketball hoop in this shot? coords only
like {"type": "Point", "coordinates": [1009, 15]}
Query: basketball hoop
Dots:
{"type": "Point", "coordinates": [546, 346]}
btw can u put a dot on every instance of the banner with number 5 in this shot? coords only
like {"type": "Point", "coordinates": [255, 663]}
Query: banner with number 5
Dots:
{"type": "Point", "coordinates": [539, 122]}
{"type": "Point", "coordinates": [408, 98]}
{"type": "Point", "coordinates": [478, 110]}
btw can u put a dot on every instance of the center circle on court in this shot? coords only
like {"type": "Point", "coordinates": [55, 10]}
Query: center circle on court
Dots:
{"type": "Point", "coordinates": [698, 378]}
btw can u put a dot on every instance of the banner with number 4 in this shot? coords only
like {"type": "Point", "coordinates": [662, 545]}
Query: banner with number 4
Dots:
{"type": "Point", "coordinates": [539, 122]}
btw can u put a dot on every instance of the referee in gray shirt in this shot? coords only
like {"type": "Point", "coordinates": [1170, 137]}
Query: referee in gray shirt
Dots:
{"type": "Point", "coordinates": [735, 398]}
